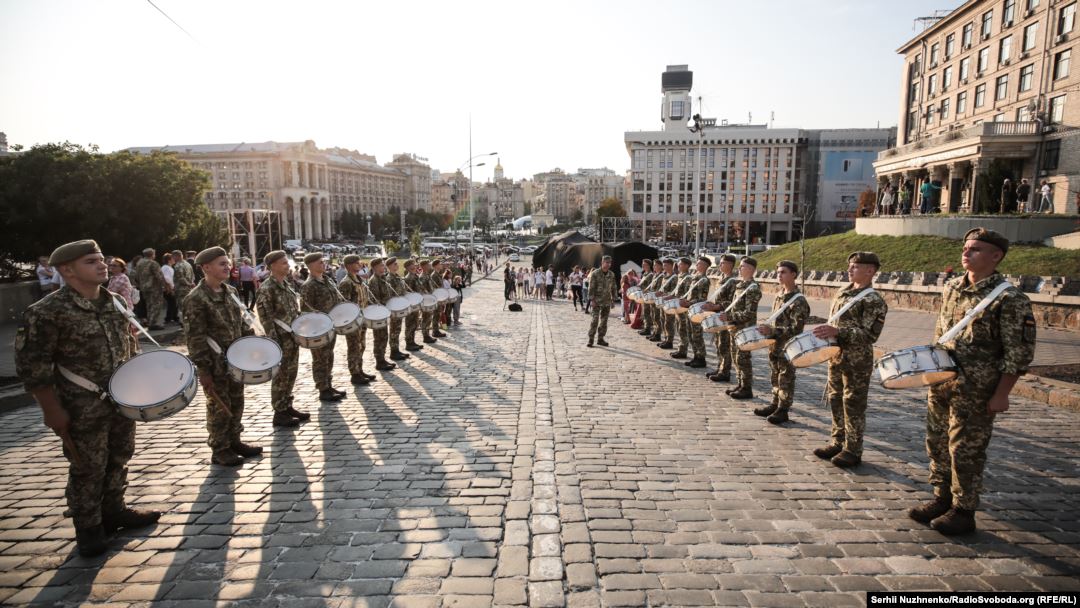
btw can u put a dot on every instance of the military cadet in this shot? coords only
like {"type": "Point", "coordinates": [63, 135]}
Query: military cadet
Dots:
{"type": "Point", "coordinates": [662, 275]}
{"type": "Point", "coordinates": [381, 292]}
{"type": "Point", "coordinates": [783, 328]}
{"type": "Point", "coordinates": [77, 332]}
{"type": "Point", "coordinates": [855, 333]}
{"type": "Point", "coordinates": [725, 293]}
{"type": "Point", "coordinates": [435, 278]}
{"type": "Point", "coordinates": [276, 303]}
{"type": "Point", "coordinates": [991, 354]}
{"type": "Point", "coordinates": [683, 330]}
{"type": "Point", "coordinates": [214, 321]}
{"type": "Point", "coordinates": [602, 291]}
{"type": "Point", "coordinates": [646, 279]}
{"type": "Point", "coordinates": [354, 290]}
{"type": "Point", "coordinates": [697, 291]}
{"type": "Point", "coordinates": [320, 294]}
{"type": "Point", "coordinates": [668, 289]}
{"type": "Point", "coordinates": [183, 279]}
{"type": "Point", "coordinates": [397, 289]}
{"type": "Point", "coordinates": [743, 314]}
{"type": "Point", "coordinates": [151, 284]}
{"type": "Point", "coordinates": [417, 281]}
{"type": "Point", "coordinates": [412, 320]}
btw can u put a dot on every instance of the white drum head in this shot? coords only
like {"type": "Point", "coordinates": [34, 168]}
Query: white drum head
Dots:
{"type": "Point", "coordinates": [442, 294]}
{"type": "Point", "coordinates": [414, 298]}
{"type": "Point", "coordinates": [344, 313]}
{"type": "Point", "coordinates": [312, 324]}
{"type": "Point", "coordinates": [429, 300]}
{"type": "Point", "coordinates": [254, 354]}
{"type": "Point", "coordinates": [151, 378]}
{"type": "Point", "coordinates": [397, 303]}
{"type": "Point", "coordinates": [376, 312]}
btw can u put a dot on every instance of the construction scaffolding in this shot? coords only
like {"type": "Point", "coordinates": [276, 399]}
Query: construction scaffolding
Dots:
{"type": "Point", "coordinates": [620, 230]}
{"type": "Point", "coordinates": [253, 233]}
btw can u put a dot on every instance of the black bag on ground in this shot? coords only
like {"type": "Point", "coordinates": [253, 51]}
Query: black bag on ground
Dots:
{"type": "Point", "coordinates": [514, 307]}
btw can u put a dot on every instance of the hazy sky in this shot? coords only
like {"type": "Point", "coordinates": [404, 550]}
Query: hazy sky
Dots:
{"type": "Point", "coordinates": [547, 83]}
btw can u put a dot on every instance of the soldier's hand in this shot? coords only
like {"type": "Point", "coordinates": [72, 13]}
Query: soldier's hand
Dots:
{"type": "Point", "coordinates": [723, 317]}
{"type": "Point", "coordinates": [997, 404]}
{"type": "Point", "coordinates": [207, 381]}
{"type": "Point", "coordinates": [765, 330]}
{"type": "Point", "coordinates": [57, 419]}
{"type": "Point", "coordinates": [824, 332]}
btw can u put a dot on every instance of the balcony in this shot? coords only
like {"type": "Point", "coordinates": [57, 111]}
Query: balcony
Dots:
{"type": "Point", "coordinates": [981, 130]}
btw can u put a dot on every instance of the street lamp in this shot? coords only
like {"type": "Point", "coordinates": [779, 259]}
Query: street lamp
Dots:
{"type": "Point", "coordinates": [469, 190]}
{"type": "Point", "coordinates": [369, 225]}
{"type": "Point", "coordinates": [699, 126]}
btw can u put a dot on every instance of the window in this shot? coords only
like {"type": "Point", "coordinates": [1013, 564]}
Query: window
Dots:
{"type": "Point", "coordinates": [1066, 19]}
{"type": "Point", "coordinates": [950, 45]}
{"type": "Point", "coordinates": [946, 78]}
{"type": "Point", "coordinates": [912, 121]}
{"type": "Point", "coordinates": [1061, 64]}
{"type": "Point", "coordinates": [965, 36]}
{"type": "Point", "coordinates": [934, 52]}
{"type": "Point", "coordinates": [932, 85]}
{"type": "Point", "coordinates": [913, 93]}
{"type": "Point", "coordinates": [929, 114]}
{"type": "Point", "coordinates": [1023, 114]}
{"type": "Point", "coordinates": [1026, 74]}
{"type": "Point", "coordinates": [965, 67]}
{"type": "Point", "coordinates": [987, 23]}
{"type": "Point", "coordinates": [1008, 13]}
{"type": "Point", "coordinates": [999, 117]}
{"type": "Point", "coordinates": [917, 66]}
{"type": "Point", "coordinates": [676, 109]}
{"type": "Point", "coordinates": [1051, 154]}
{"type": "Point", "coordinates": [945, 109]}
{"type": "Point", "coordinates": [961, 103]}
{"type": "Point", "coordinates": [980, 95]}
{"type": "Point", "coordinates": [1029, 37]}
{"type": "Point", "coordinates": [1031, 4]}
{"type": "Point", "coordinates": [1005, 49]}
{"type": "Point", "coordinates": [1057, 108]}
{"type": "Point", "coordinates": [984, 60]}
{"type": "Point", "coordinates": [1001, 90]}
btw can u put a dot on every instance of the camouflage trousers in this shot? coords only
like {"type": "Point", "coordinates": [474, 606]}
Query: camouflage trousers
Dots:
{"type": "Point", "coordinates": [180, 294]}
{"type": "Point", "coordinates": [646, 318]}
{"type": "Point", "coordinates": [412, 323]}
{"type": "Point", "coordinates": [697, 340]}
{"type": "Point", "coordinates": [105, 441]}
{"type": "Point", "coordinates": [670, 326]}
{"type": "Point", "coordinates": [155, 306]}
{"type": "Point", "coordinates": [744, 369]}
{"type": "Point", "coordinates": [425, 322]}
{"type": "Point", "coordinates": [224, 419]}
{"type": "Point", "coordinates": [395, 335]}
{"type": "Point", "coordinates": [782, 376]}
{"type": "Point", "coordinates": [682, 325]}
{"type": "Point", "coordinates": [657, 320]}
{"type": "Point", "coordinates": [281, 387]}
{"type": "Point", "coordinates": [436, 315]}
{"type": "Point", "coordinates": [355, 345]}
{"type": "Point", "coordinates": [848, 386]}
{"type": "Point", "coordinates": [722, 340]}
{"type": "Point", "coordinates": [598, 326]}
{"type": "Point", "coordinates": [958, 430]}
{"type": "Point", "coordinates": [322, 365]}
{"type": "Point", "coordinates": [382, 336]}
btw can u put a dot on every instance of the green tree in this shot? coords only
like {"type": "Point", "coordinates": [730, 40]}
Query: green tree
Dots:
{"type": "Point", "coordinates": [609, 207]}
{"type": "Point", "coordinates": [391, 246]}
{"type": "Point", "coordinates": [416, 242]}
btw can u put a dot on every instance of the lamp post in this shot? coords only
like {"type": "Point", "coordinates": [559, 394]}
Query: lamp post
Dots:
{"type": "Point", "coordinates": [368, 225]}
{"type": "Point", "coordinates": [469, 189]}
{"type": "Point", "coordinates": [699, 126]}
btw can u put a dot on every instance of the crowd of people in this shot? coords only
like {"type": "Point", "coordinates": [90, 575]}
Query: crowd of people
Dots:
{"type": "Point", "coordinates": [1013, 197]}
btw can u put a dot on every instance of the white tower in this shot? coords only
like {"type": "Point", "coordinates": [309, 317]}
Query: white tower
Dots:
{"type": "Point", "coordinates": [676, 82]}
{"type": "Point", "coordinates": [498, 170]}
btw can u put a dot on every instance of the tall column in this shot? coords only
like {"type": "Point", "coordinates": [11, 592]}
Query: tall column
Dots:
{"type": "Point", "coordinates": [295, 168]}
{"type": "Point", "coordinates": [317, 222]}
{"type": "Point", "coordinates": [307, 220]}
{"type": "Point", "coordinates": [327, 225]}
{"type": "Point", "coordinates": [297, 231]}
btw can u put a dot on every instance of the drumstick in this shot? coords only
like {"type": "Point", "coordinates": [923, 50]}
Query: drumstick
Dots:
{"type": "Point", "coordinates": [69, 443]}
{"type": "Point", "coordinates": [212, 394]}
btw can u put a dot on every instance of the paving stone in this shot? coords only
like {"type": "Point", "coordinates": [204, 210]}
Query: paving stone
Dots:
{"type": "Point", "coordinates": [547, 594]}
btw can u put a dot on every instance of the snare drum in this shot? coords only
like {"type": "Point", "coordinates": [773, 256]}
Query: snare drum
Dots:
{"type": "Point", "coordinates": [634, 293]}
{"type": "Point", "coordinates": [347, 318]}
{"type": "Point", "coordinates": [649, 297]}
{"type": "Point", "coordinates": [153, 385]}
{"type": "Point", "coordinates": [454, 296]}
{"type": "Point", "coordinates": [253, 359]}
{"type": "Point", "coordinates": [713, 325]}
{"type": "Point", "coordinates": [916, 367]}
{"type": "Point", "coordinates": [679, 308]}
{"type": "Point", "coordinates": [806, 349]}
{"type": "Point", "coordinates": [698, 312]}
{"type": "Point", "coordinates": [750, 338]}
{"type": "Point", "coordinates": [399, 307]}
{"type": "Point", "coordinates": [441, 294]}
{"type": "Point", "coordinates": [376, 316]}
{"type": "Point", "coordinates": [429, 303]}
{"type": "Point", "coordinates": [313, 330]}
{"type": "Point", "coordinates": [414, 301]}
{"type": "Point", "coordinates": [670, 306]}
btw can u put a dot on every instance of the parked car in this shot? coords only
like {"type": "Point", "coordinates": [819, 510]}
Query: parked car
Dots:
{"type": "Point", "coordinates": [515, 257]}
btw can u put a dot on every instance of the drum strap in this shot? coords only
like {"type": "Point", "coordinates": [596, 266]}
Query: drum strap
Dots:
{"type": "Point", "coordinates": [971, 314]}
{"type": "Point", "coordinates": [739, 297]}
{"type": "Point", "coordinates": [249, 319]}
{"type": "Point", "coordinates": [214, 346]}
{"type": "Point", "coordinates": [122, 307]}
{"type": "Point", "coordinates": [776, 315]}
{"type": "Point", "coordinates": [712, 296]}
{"type": "Point", "coordinates": [283, 325]}
{"type": "Point", "coordinates": [81, 382]}
{"type": "Point", "coordinates": [850, 303]}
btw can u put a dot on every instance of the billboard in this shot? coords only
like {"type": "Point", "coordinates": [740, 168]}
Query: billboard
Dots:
{"type": "Point", "coordinates": [846, 174]}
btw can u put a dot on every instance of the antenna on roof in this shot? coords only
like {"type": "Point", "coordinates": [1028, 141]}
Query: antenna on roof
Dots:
{"type": "Point", "coordinates": [930, 20]}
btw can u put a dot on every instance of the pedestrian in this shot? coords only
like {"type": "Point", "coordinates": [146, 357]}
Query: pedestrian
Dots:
{"type": "Point", "coordinates": [576, 280]}
{"type": "Point", "coordinates": [602, 291]}
{"type": "Point", "coordinates": [887, 200]}
{"type": "Point", "coordinates": [183, 280]}
{"type": "Point", "coordinates": [320, 294]}
{"type": "Point", "coordinates": [722, 299]}
{"type": "Point", "coordinates": [45, 276]}
{"type": "Point", "coordinates": [907, 193]}
{"type": "Point", "coordinates": [1044, 199]}
{"type": "Point", "coordinates": [120, 284]}
{"type": "Point", "coordinates": [742, 314]}
{"type": "Point", "coordinates": [549, 282]}
{"type": "Point", "coordinates": [508, 282]}
{"type": "Point", "coordinates": [628, 280]}
{"type": "Point", "coordinates": [1008, 197]}
{"type": "Point", "coordinates": [167, 271]}
{"type": "Point", "coordinates": [1023, 191]}
{"type": "Point", "coordinates": [246, 274]}
{"type": "Point", "coordinates": [151, 284]}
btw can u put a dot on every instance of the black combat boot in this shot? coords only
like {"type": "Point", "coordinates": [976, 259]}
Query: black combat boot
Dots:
{"type": "Point", "coordinates": [827, 452]}
{"type": "Point", "coordinates": [295, 413]}
{"type": "Point", "coordinates": [359, 379]}
{"type": "Point", "coordinates": [329, 395]}
{"type": "Point", "coordinates": [601, 342]}
{"type": "Point", "coordinates": [742, 393]}
{"type": "Point", "coordinates": [247, 450]}
{"type": "Point", "coordinates": [955, 522]}
{"type": "Point", "coordinates": [283, 419]}
{"type": "Point", "coordinates": [931, 510]}
{"type": "Point", "coordinates": [413, 347]}
{"type": "Point", "coordinates": [429, 340]}
{"type": "Point", "coordinates": [846, 460]}
{"type": "Point", "coordinates": [678, 355]}
{"type": "Point", "coordinates": [384, 365]}
{"type": "Point", "coordinates": [766, 411]}
{"type": "Point", "coordinates": [398, 356]}
{"type": "Point", "coordinates": [129, 519]}
{"type": "Point", "coordinates": [721, 377]}
{"type": "Point", "coordinates": [590, 344]}
{"type": "Point", "coordinates": [654, 338]}
{"type": "Point", "coordinates": [778, 417]}
{"type": "Point", "coordinates": [91, 541]}
{"type": "Point", "coordinates": [666, 346]}
{"type": "Point", "coordinates": [226, 458]}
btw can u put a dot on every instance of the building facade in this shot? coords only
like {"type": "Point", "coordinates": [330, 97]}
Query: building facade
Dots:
{"type": "Point", "coordinates": [988, 93]}
{"type": "Point", "coordinates": [417, 180]}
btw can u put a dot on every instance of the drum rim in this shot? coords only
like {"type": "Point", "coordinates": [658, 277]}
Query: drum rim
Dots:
{"type": "Point", "coordinates": [376, 317]}
{"type": "Point", "coordinates": [261, 338]}
{"type": "Point", "coordinates": [313, 314]}
{"type": "Point", "coordinates": [954, 372]}
{"type": "Point", "coordinates": [191, 366]}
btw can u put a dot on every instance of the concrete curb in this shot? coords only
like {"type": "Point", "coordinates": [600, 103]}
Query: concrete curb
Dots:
{"type": "Point", "coordinates": [1051, 392]}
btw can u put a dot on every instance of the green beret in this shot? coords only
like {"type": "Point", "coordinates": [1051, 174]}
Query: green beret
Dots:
{"type": "Point", "coordinates": [209, 255]}
{"type": "Point", "coordinates": [391, 260]}
{"type": "Point", "coordinates": [646, 261]}
{"type": "Point", "coordinates": [707, 261]}
{"type": "Point", "coordinates": [748, 260]}
{"type": "Point", "coordinates": [685, 260]}
{"type": "Point", "coordinates": [375, 262]}
{"type": "Point", "coordinates": [436, 261]}
{"type": "Point", "coordinates": [864, 257]}
{"type": "Point", "coordinates": [352, 258]}
{"type": "Point", "coordinates": [728, 257]}
{"type": "Point", "coordinates": [988, 236]}
{"type": "Point", "coordinates": [409, 263]}
{"type": "Point", "coordinates": [606, 258]}
{"type": "Point", "coordinates": [669, 261]}
{"type": "Point", "coordinates": [792, 266]}
{"type": "Point", "coordinates": [73, 251]}
{"type": "Point", "coordinates": [273, 256]}
{"type": "Point", "coordinates": [312, 257]}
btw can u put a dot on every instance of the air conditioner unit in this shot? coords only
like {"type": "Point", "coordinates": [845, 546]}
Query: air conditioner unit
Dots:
{"type": "Point", "coordinates": [967, 46]}
{"type": "Point", "coordinates": [1007, 24]}
{"type": "Point", "coordinates": [1029, 13]}
{"type": "Point", "coordinates": [1024, 55]}
{"type": "Point", "coordinates": [933, 65]}
{"type": "Point", "coordinates": [1005, 61]}
{"type": "Point", "coordinates": [986, 36]}
{"type": "Point", "coordinates": [1060, 38]}
{"type": "Point", "coordinates": [963, 81]}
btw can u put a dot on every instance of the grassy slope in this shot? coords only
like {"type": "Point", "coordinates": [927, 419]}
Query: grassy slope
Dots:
{"type": "Point", "coordinates": [918, 253]}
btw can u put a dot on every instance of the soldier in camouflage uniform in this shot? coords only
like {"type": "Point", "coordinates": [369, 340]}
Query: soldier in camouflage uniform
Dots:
{"type": "Point", "coordinates": [79, 328]}
{"type": "Point", "coordinates": [697, 291]}
{"type": "Point", "coordinates": [855, 332]}
{"type": "Point", "coordinates": [681, 320]}
{"type": "Point", "coordinates": [668, 288]}
{"type": "Point", "coordinates": [743, 314]}
{"type": "Point", "coordinates": [183, 279]}
{"type": "Point", "coordinates": [435, 280]}
{"type": "Point", "coordinates": [417, 281]}
{"type": "Point", "coordinates": [789, 324]}
{"type": "Point", "coordinates": [663, 274]}
{"type": "Point", "coordinates": [721, 299]}
{"type": "Point", "coordinates": [646, 279]}
{"type": "Point", "coordinates": [602, 290]}
{"type": "Point", "coordinates": [412, 321]}
{"type": "Point", "coordinates": [320, 294]}
{"type": "Point", "coordinates": [354, 290]}
{"type": "Point", "coordinates": [213, 315]}
{"type": "Point", "coordinates": [380, 290]}
{"type": "Point", "coordinates": [276, 302]}
{"type": "Point", "coordinates": [397, 289]}
{"type": "Point", "coordinates": [151, 284]}
{"type": "Point", "coordinates": [991, 354]}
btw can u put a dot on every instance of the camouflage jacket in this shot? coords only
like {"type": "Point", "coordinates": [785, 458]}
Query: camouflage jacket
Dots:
{"type": "Point", "coordinates": [418, 283]}
{"type": "Point", "coordinates": [90, 338]}
{"type": "Point", "coordinates": [354, 290]}
{"type": "Point", "coordinates": [602, 288]}
{"type": "Point", "coordinates": [380, 289]}
{"type": "Point", "coordinates": [793, 320]}
{"type": "Point", "coordinates": [861, 325]}
{"type": "Point", "coordinates": [1000, 340]}
{"type": "Point", "coordinates": [398, 285]}
{"type": "Point", "coordinates": [215, 316]}
{"type": "Point", "coordinates": [183, 277]}
{"type": "Point", "coordinates": [434, 281]}
{"type": "Point", "coordinates": [276, 300]}
{"type": "Point", "coordinates": [744, 313]}
{"type": "Point", "coordinates": [148, 276]}
{"type": "Point", "coordinates": [726, 292]}
{"type": "Point", "coordinates": [682, 284]}
{"type": "Point", "coordinates": [697, 289]}
{"type": "Point", "coordinates": [646, 280]}
{"type": "Point", "coordinates": [668, 284]}
{"type": "Point", "coordinates": [319, 295]}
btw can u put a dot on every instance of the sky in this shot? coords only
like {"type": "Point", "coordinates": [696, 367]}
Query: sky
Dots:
{"type": "Point", "coordinates": [546, 84]}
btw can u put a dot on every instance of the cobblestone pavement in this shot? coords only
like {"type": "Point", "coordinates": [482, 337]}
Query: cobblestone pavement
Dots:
{"type": "Point", "coordinates": [510, 465]}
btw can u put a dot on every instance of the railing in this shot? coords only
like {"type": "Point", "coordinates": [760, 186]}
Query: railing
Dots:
{"type": "Point", "coordinates": [984, 129]}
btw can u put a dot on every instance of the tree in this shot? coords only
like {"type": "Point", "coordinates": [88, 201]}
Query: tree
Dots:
{"type": "Point", "coordinates": [391, 246]}
{"type": "Point", "coordinates": [56, 193]}
{"type": "Point", "coordinates": [416, 242]}
{"type": "Point", "coordinates": [609, 207]}
{"type": "Point", "coordinates": [577, 216]}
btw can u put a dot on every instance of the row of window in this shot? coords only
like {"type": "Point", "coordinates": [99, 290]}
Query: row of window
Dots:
{"type": "Point", "coordinates": [1023, 114]}
{"type": "Point", "coordinates": [211, 166]}
{"type": "Point", "coordinates": [765, 209]}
